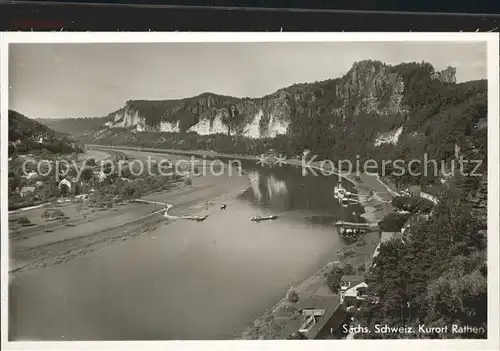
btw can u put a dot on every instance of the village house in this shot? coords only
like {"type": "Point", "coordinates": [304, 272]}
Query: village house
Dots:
{"type": "Point", "coordinates": [353, 296]}
{"type": "Point", "coordinates": [68, 184]}
{"type": "Point", "coordinates": [320, 315]}
{"type": "Point", "coordinates": [348, 281]}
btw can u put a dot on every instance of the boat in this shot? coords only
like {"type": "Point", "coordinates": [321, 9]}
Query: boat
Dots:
{"type": "Point", "coordinates": [264, 218]}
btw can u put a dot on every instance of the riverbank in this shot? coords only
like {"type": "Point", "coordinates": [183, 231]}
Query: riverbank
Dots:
{"type": "Point", "coordinates": [103, 228]}
{"type": "Point", "coordinates": [283, 318]}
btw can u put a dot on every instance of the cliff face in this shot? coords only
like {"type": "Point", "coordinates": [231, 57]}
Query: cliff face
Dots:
{"type": "Point", "coordinates": [207, 114]}
{"type": "Point", "coordinates": [370, 87]}
{"type": "Point", "coordinates": [376, 108]}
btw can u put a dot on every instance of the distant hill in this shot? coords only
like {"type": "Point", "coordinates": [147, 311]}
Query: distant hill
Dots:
{"type": "Point", "coordinates": [74, 126]}
{"type": "Point", "coordinates": [28, 135]}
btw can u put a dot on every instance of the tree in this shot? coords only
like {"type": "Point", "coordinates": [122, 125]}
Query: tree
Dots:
{"type": "Point", "coordinates": [90, 162]}
{"type": "Point", "coordinates": [292, 295]}
{"type": "Point", "coordinates": [334, 278]}
{"type": "Point", "coordinates": [87, 174]}
{"type": "Point", "coordinates": [393, 222]}
{"type": "Point", "coordinates": [64, 189]}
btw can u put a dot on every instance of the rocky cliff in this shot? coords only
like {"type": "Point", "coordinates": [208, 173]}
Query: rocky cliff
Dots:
{"type": "Point", "coordinates": [369, 87]}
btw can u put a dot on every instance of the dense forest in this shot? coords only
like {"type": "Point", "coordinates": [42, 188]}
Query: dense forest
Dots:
{"type": "Point", "coordinates": [436, 277]}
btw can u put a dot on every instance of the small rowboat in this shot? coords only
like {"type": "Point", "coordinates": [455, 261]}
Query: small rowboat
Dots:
{"type": "Point", "coordinates": [265, 218]}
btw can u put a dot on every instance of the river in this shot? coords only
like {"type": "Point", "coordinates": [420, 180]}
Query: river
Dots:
{"type": "Point", "coordinates": [188, 280]}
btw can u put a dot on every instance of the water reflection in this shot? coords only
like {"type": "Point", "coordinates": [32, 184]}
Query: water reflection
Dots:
{"type": "Point", "coordinates": [277, 189]}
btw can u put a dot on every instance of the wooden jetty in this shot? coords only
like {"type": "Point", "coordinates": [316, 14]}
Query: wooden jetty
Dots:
{"type": "Point", "coordinates": [265, 218]}
{"type": "Point", "coordinates": [351, 224]}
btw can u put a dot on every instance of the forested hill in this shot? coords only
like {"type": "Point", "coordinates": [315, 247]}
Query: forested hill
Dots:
{"type": "Point", "coordinates": [75, 126]}
{"type": "Point", "coordinates": [28, 135]}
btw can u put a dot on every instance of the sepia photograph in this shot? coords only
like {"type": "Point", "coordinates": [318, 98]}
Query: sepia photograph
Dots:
{"type": "Point", "coordinates": [225, 187]}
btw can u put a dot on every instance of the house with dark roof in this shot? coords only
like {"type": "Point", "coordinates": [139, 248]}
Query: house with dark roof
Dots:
{"type": "Point", "coordinates": [323, 314]}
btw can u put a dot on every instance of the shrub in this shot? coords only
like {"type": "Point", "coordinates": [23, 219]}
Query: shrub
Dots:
{"type": "Point", "coordinates": [292, 295]}
{"type": "Point", "coordinates": [333, 279]}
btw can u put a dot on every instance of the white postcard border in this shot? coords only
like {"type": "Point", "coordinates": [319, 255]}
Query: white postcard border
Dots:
{"type": "Point", "coordinates": [492, 41]}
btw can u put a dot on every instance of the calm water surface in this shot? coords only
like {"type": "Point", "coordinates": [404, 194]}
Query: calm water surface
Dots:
{"type": "Point", "coordinates": [188, 280]}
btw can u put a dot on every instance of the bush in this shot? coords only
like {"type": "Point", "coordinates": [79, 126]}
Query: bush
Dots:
{"type": "Point", "coordinates": [333, 279]}
{"type": "Point", "coordinates": [188, 182]}
{"type": "Point", "coordinates": [292, 296]}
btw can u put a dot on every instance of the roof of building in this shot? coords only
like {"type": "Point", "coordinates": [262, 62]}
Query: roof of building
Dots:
{"type": "Point", "coordinates": [327, 303]}
{"type": "Point", "coordinates": [353, 292]}
{"type": "Point", "coordinates": [353, 279]}
{"type": "Point", "coordinates": [333, 319]}
{"type": "Point", "coordinates": [434, 190]}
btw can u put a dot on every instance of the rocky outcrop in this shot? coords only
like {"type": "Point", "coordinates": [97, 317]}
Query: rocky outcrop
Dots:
{"type": "Point", "coordinates": [370, 89]}
{"type": "Point", "coordinates": [375, 88]}
{"type": "Point", "coordinates": [447, 75]}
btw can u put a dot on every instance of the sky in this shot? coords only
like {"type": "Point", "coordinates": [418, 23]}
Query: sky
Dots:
{"type": "Point", "coordinates": [92, 80]}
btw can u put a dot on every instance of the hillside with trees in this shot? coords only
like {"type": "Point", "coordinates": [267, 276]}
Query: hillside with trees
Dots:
{"type": "Point", "coordinates": [436, 277]}
{"type": "Point", "coordinates": [29, 136]}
